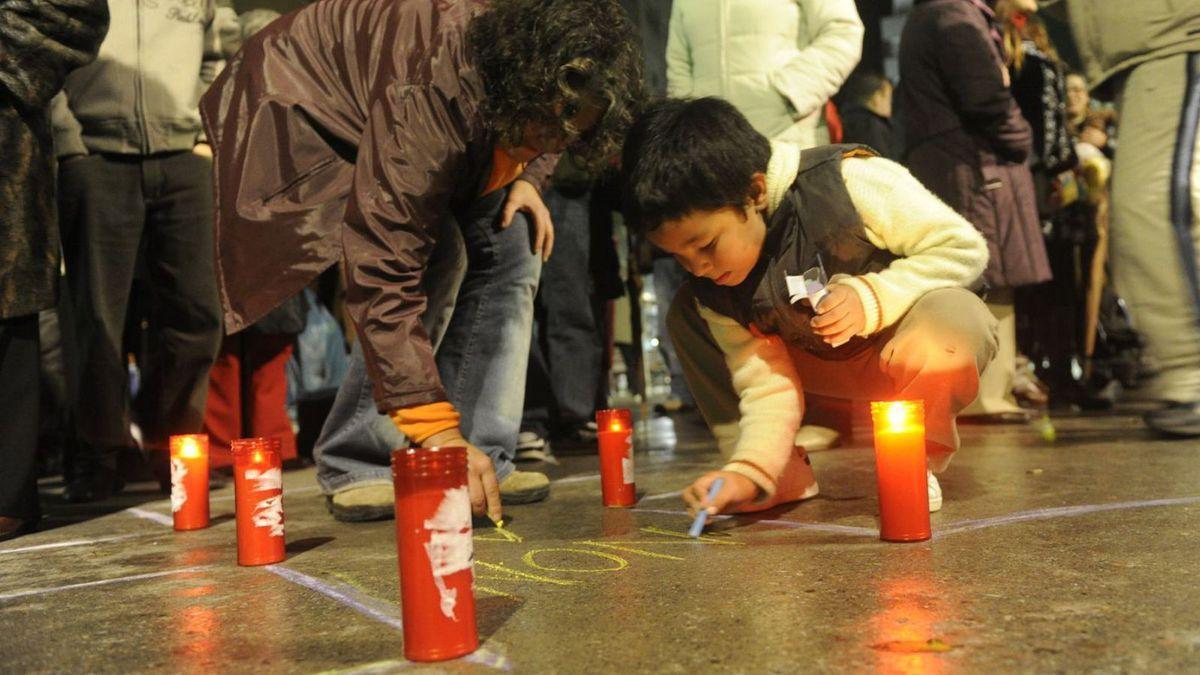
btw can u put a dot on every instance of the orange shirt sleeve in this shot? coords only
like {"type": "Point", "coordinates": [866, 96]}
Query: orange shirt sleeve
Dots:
{"type": "Point", "coordinates": [420, 422]}
{"type": "Point", "coordinates": [504, 171]}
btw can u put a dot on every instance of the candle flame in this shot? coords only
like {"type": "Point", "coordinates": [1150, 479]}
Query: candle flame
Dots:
{"type": "Point", "coordinates": [257, 458]}
{"type": "Point", "coordinates": [187, 447]}
{"type": "Point", "coordinates": [898, 415]}
{"type": "Point", "coordinates": [615, 425]}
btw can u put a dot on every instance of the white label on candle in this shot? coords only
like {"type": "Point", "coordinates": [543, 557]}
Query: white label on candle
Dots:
{"type": "Point", "coordinates": [450, 547]}
{"type": "Point", "coordinates": [178, 491]}
{"type": "Point", "coordinates": [271, 479]}
{"type": "Point", "coordinates": [627, 469]}
{"type": "Point", "coordinates": [269, 513]}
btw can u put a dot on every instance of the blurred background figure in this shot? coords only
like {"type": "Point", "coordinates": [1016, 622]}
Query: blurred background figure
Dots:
{"type": "Point", "coordinates": [865, 107]}
{"type": "Point", "coordinates": [247, 385]}
{"type": "Point", "coordinates": [966, 140]}
{"type": "Point", "coordinates": [778, 62]}
{"type": "Point", "coordinates": [135, 190]}
{"type": "Point", "coordinates": [41, 42]}
{"type": "Point", "coordinates": [1146, 57]}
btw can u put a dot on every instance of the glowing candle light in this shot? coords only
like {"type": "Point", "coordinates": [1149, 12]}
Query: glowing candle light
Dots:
{"type": "Point", "coordinates": [189, 481]}
{"type": "Point", "coordinates": [434, 546]}
{"type": "Point", "coordinates": [258, 491]}
{"type": "Point", "coordinates": [900, 470]}
{"type": "Point", "coordinates": [615, 437]}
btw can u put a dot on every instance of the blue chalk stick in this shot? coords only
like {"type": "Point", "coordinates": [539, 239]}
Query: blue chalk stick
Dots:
{"type": "Point", "coordinates": [698, 524]}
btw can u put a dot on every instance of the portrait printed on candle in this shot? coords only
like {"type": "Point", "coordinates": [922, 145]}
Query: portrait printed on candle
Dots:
{"type": "Point", "coordinates": [450, 547]}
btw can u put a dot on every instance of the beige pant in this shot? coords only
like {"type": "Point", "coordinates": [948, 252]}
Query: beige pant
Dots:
{"type": "Point", "coordinates": [934, 353]}
{"type": "Point", "coordinates": [1147, 261]}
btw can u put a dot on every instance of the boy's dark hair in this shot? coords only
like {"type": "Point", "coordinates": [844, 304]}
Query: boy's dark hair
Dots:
{"type": "Point", "coordinates": [860, 87]}
{"type": "Point", "coordinates": [683, 156]}
{"type": "Point", "coordinates": [535, 55]}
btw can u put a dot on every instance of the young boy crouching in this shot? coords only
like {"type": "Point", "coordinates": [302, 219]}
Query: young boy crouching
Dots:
{"type": "Point", "coordinates": [743, 215]}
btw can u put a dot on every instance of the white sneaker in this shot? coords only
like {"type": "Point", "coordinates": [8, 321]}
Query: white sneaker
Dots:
{"type": "Point", "coordinates": [935, 493]}
{"type": "Point", "coordinates": [531, 448]}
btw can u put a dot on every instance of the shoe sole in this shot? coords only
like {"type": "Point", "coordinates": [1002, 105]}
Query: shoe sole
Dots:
{"type": "Point", "coordinates": [359, 514]}
{"type": "Point", "coordinates": [525, 496]}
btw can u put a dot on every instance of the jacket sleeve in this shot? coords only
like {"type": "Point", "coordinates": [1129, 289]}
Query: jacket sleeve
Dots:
{"type": "Point", "coordinates": [410, 156]}
{"type": "Point", "coordinates": [938, 248]}
{"type": "Point", "coordinates": [679, 56]}
{"type": "Point", "coordinates": [769, 397]}
{"type": "Point", "coordinates": [43, 40]}
{"type": "Point", "coordinates": [68, 132]}
{"type": "Point", "coordinates": [213, 59]}
{"type": "Point", "coordinates": [538, 171]}
{"type": "Point", "coordinates": [809, 76]}
{"type": "Point", "coordinates": [967, 58]}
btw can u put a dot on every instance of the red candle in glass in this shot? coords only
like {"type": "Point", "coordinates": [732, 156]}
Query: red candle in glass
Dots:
{"type": "Point", "coordinates": [189, 481]}
{"type": "Point", "coordinates": [614, 433]}
{"type": "Point", "coordinates": [433, 542]}
{"type": "Point", "coordinates": [258, 492]}
{"type": "Point", "coordinates": [900, 470]}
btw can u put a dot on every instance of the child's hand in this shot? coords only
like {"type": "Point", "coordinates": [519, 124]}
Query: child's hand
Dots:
{"type": "Point", "coordinates": [840, 315]}
{"type": "Point", "coordinates": [737, 489]}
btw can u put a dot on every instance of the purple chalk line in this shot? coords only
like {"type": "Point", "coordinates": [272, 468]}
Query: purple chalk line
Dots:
{"type": "Point", "coordinates": [374, 608]}
{"type": "Point", "coordinates": [1056, 512]}
{"type": "Point", "coordinates": [73, 542]}
{"type": "Point", "coordinates": [102, 582]}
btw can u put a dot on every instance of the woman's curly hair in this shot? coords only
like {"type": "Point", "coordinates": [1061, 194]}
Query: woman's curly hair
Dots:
{"type": "Point", "coordinates": [542, 61]}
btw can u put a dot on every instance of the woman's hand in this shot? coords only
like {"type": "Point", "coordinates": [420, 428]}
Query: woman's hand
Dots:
{"type": "Point", "coordinates": [736, 490]}
{"type": "Point", "coordinates": [523, 196]}
{"type": "Point", "coordinates": [481, 474]}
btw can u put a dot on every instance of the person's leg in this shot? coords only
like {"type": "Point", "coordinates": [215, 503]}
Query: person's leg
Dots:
{"type": "Point", "coordinates": [995, 401]}
{"type": "Point", "coordinates": [266, 358]}
{"type": "Point", "coordinates": [18, 425]}
{"type": "Point", "coordinates": [356, 441]}
{"type": "Point", "coordinates": [934, 354]}
{"type": "Point", "coordinates": [223, 407]}
{"type": "Point", "coordinates": [569, 331]}
{"type": "Point", "coordinates": [102, 210]}
{"type": "Point", "coordinates": [185, 312]}
{"type": "Point", "coordinates": [669, 276]}
{"type": "Point", "coordinates": [485, 353]}
{"type": "Point", "coordinates": [1148, 255]}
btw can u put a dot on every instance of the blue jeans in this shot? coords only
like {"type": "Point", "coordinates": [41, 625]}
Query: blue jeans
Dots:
{"type": "Point", "coordinates": [479, 285]}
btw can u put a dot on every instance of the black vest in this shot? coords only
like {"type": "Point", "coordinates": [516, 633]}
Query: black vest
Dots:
{"type": "Point", "coordinates": [816, 216]}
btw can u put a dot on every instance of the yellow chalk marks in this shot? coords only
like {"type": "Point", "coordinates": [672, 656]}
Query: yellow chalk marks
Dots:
{"type": "Point", "coordinates": [502, 535]}
{"type": "Point", "coordinates": [704, 539]}
{"type": "Point", "coordinates": [517, 574]}
{"type": "Point", "coordinates": [486, 589]}
{"type": "Point", "coordinates": [626, 549]}
{"type": "Point", "coordinates": [530, 559]}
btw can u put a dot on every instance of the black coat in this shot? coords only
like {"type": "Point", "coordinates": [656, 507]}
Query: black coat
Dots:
{"type": "Point", "coordinates": [40, 42]}
{"type": "Point", "coordinates": [965, 138]}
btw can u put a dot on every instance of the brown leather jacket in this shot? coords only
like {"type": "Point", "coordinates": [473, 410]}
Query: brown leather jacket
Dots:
{"type": "Point", "coordinates": [350, 129]}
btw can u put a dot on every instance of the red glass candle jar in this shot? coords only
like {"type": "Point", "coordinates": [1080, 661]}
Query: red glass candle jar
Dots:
{"type": "Point", "coordinates": [189, 481]}
{"type": "Point", "coordinates": [433, 541]}
{"type": "Point", "coordinates": [258, 491]}
{"type": "Point", "coordinates": [901, 471]}
{"type": "Point", "coordinates": [614, 434]}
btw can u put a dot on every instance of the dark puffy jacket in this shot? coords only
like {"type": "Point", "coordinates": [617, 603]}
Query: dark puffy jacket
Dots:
{"type": "Point", "coordinates": [40, 42]}
{"type": "Point", "coordinates": [349, 128]}
{"type": "Point", "coordinates": [965, 138]}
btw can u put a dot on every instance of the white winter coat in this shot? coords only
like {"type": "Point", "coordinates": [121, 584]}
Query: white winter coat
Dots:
{"type": "Point", "coordinates": [777, 61]}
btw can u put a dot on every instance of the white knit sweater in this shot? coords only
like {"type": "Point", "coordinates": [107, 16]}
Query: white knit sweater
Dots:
{"type": "Point", "coordinates": [938, 249]}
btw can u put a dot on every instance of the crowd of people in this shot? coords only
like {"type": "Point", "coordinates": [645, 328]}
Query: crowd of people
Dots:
{"type": "Point", "coordinates": [212, 221]}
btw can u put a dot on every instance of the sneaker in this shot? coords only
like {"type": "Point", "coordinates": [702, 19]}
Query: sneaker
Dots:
{"type": "Point", "coordinates": [814, 438]}
{"type": "Point", "coordinates": [524, 487]}
{"type": "Point", "coordinates": [531, 447]}
{"type": "Point", "coordinates": [935, 493]}
{"type": "Point", "coordinates": [1176, 419]}
{"type": "Point", "coordinates": [363, 502]}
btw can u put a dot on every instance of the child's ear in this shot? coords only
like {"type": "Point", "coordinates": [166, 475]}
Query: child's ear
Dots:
{"type": "Point", "coordinates": [757, 198]}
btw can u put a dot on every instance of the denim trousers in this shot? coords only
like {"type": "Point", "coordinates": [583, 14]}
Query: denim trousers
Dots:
{"type": "Point", "coordinates": [565, 359]}
{"type": "Point", "coordinates": [479, 285]}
